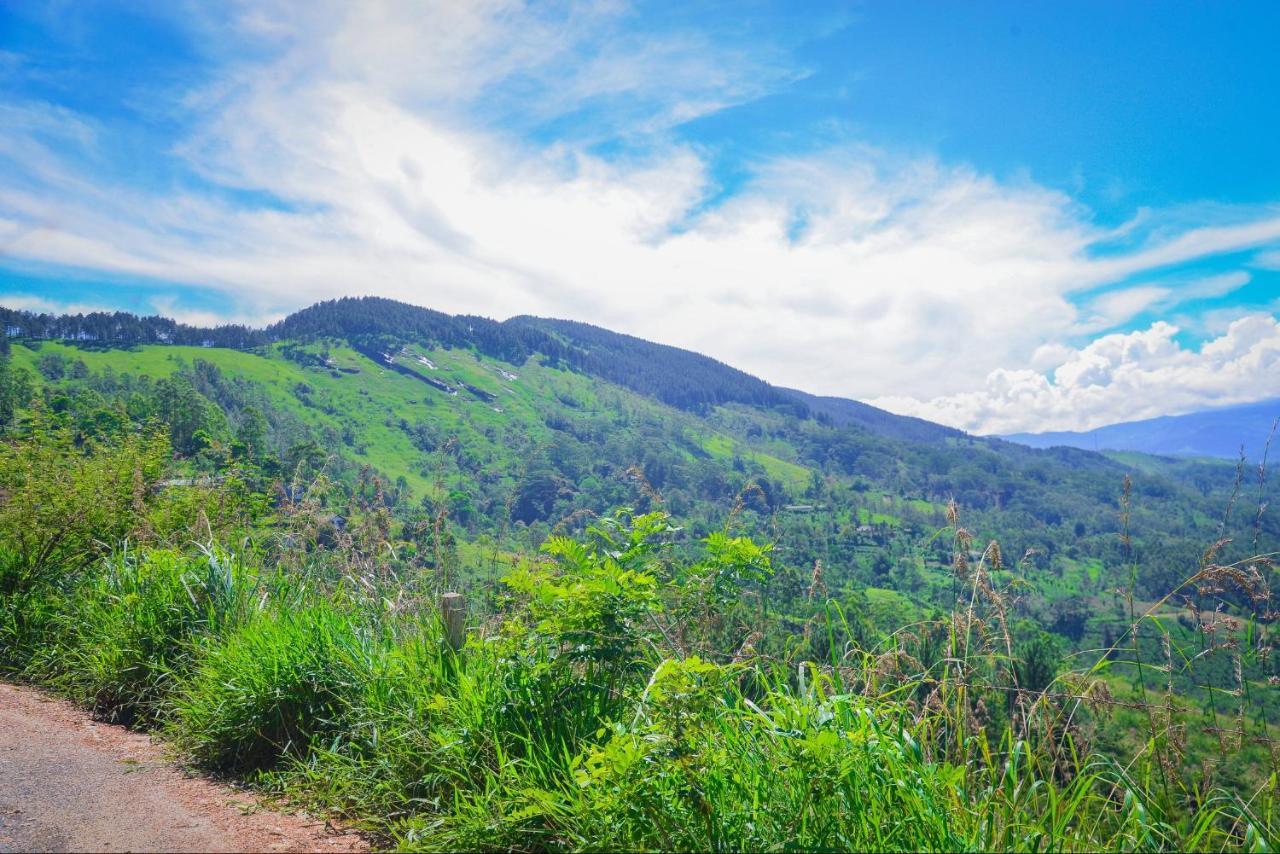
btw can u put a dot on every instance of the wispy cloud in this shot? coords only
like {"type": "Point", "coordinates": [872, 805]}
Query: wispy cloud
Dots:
{"type": "Point", "coordinates": [1117, 307]}
{"type": "Point", "coordinates": [1211, 287]}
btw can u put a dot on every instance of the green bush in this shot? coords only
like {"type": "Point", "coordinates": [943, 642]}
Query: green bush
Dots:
{"type": "Point", "coordinates": [582, 718]}
{"type": "Point", "coordinates": [271, 686]}
{"type": "Point", "coordinates": [697, 768]}
{"type": "Point", "coordinates": [26, 619]}
{"type": "Point", "coordinates": [67, 502]}
{"type": "Point", "coordinates": [64, 504]}
{"type": "Point", "coordinates": [127, 632]}
{"type": "Point", "coordinates": [426, 724]}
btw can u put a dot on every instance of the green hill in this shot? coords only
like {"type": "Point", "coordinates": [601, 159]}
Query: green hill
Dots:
{"type": "Point", "coordinates": [519, 426]}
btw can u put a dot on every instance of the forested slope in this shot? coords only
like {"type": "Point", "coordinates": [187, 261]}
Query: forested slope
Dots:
{"type": "Point", "coordinates": [516, 426]}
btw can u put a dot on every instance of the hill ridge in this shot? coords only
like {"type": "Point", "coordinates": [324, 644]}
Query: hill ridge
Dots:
{"type": "Point", "coordinates": [677, 376]}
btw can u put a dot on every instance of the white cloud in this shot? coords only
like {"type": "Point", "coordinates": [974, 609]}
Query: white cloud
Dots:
{"type": "Point", "coordinates": [1120, 377]}
{"type": "Point", "coordinates": [385, 133]}
{"type": "Point", "coordinates": [1119, 306]}
{"type": "Point", "coordinates": [1115, 307]}
{"type": "Point", "coordinates": [1211, 287]}
{"type": "Point", "coordinates": [1198, 242]}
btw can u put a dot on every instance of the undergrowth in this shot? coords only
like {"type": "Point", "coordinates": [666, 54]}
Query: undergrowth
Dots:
{"type": "Point", "coordinates": [598, 705]}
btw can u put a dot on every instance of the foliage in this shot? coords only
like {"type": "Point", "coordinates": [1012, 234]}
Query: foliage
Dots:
{"type": "Point", "coordinates": [65, 503]}
{"type": "Point", "coordinates": [15, 389]}
{"type": "Point", "coordinates": [124, 635]}
{"type": "Point", "coordinates": [270, 686]}
{"type": "Point", "coordinates": [676, 377]}
{"type": "Point", "coordinates": [572, 721]}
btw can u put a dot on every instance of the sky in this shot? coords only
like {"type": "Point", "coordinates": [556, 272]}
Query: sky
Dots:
{"type": "Point", "coordinates": [1000, 216]}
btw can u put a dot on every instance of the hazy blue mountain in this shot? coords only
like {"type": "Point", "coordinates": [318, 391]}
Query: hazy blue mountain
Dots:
{"type": "Point", "coordinates": [1208, 433]}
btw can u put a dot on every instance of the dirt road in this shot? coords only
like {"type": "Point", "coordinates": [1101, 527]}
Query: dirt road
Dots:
{"type": "Point", "coordinates": [70, 784]}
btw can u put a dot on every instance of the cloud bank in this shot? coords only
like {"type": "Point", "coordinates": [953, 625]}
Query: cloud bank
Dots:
{"type": "Point", "coordinates": [1120, 377]}
{"type": "Point", "coordinates": [437, 153]}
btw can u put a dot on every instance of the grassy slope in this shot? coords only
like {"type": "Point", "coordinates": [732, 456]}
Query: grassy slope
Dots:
{"type": "Point", "coordinates": [372, 401]}
{"type": "Point", "coordinates": [368, 401]}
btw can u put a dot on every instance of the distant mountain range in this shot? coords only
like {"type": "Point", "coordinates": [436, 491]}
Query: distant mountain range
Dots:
{"type": "Point", "coordinates": [1208, 433]}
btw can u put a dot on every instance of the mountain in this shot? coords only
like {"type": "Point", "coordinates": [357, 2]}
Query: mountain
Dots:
{"type": "Point", "coordinates": [1218, 432]}
{"type": "Point", "coordinates": [518, 428]}
{"type": "Point", "coordinates": [681, 378]}
{"type": "Point", "coordinates": [678, 377]}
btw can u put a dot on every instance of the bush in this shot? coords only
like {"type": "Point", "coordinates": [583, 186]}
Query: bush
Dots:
{"type": "Point", "coordinates": [588, 717]}
{"type": "Point", "coordinates": [425, 725]}
{"type": "Point", "coordinates": [26, 617]}
{"type": "Point", "coordinates": [700, 769]}
{"type": "Point", "coordinates": [275, 683]}
{"type": "Point", "coordinates": [126, 633]}
{"type": "Point", "coordinates": [64, 505]}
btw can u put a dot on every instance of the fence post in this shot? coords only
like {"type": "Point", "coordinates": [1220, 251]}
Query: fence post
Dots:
{"type": "Point", "coordinates": [453, 614]}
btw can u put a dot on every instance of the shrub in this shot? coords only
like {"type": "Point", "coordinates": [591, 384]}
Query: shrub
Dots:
{"type": "Point", "coordinates": [26, 617]}
{"type": "Point", "coordinates": [698, 768]}
{"type": "Point", "coordinates": [426, 724]}
{"type": "Point", "coordinates": [275, 683]}
{"type": "Point", "coordinates": [126, 632]}
{"type": "Point", "coordinates": [63, 505]}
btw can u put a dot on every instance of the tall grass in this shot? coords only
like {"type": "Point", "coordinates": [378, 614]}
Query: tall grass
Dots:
{"type": "Point", "coordinates": [369, 713]}
{"type": "Point", "coordinates": [122, 638]}
{"type": "Point", "coordinates": [271, 686]}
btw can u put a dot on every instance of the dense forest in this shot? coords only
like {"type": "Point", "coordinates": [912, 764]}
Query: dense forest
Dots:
{"type": "Point", "coordinates": [622, 514]}
{"type": "Point", "coordinates": [674, 376]}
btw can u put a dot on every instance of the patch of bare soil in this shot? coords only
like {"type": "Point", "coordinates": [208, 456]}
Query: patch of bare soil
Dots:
{"type": "Point", "coordinates": [68, 783]}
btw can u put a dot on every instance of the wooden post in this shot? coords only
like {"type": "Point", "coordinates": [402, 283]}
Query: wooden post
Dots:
{"type": "Point", "coordinates": [453, 614]}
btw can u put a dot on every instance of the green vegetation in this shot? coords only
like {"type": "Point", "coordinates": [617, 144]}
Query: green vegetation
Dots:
{"type": "Point", "coordinates": [792, 640]}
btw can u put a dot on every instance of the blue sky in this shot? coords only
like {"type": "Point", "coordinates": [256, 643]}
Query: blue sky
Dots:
{"type": "Point", "coordinates": [1004, 216]}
